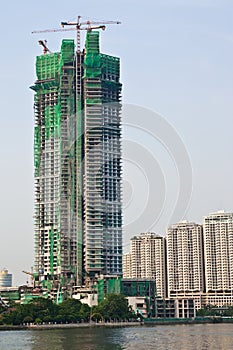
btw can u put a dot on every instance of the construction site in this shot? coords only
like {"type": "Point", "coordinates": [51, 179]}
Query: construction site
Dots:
{"type": "Point", "coordinates": [78, 181]}
{"type": "Point", "coordinates": [77, 164]}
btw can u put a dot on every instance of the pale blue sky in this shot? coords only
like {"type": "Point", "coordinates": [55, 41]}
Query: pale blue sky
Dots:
{"type": "Point", "coordinates": [176, 59]}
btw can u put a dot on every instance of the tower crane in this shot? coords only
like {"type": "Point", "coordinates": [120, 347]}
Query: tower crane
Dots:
{"type": "Point", "coordinates": [44, 44]}
{"type": "Point", "coordinates": [30, 274]}
{"type": "Point", "coordinates": [78, 26]}
{"type": "Point", "coordinates": [89, 26]}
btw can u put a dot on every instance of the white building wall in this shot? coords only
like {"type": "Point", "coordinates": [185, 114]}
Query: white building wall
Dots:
{"type": "Point", "coordinates": [127, 266]}
{"type": "Point", "coordinates": [218, 249]}
{"type": "Point", "coordinates": [185, 259]}
{"type": "Point", "coordinates": [147, 253]}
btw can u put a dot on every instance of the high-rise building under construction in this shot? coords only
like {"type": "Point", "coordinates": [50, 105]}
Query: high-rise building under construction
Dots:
{"type": "Point", "coordinates": [77, 160]}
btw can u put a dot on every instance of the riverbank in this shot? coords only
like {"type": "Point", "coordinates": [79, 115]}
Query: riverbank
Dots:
{"type": "Point", "coordinates": [145, 322]}
{"type": "Point", "coordinates": [175, 336]}
{"type": "Point", "coordinates": [68, 325]}
{"type": "Point", "coordinates": [196, 320]}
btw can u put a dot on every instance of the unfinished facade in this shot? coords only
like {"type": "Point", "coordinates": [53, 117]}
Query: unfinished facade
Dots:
{"type": "Point", "coordinates": [77, 160]}
{"type": "Point", "coordinates": [102, 161]}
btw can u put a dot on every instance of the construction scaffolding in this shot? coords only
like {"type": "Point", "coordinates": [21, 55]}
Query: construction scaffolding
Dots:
{"type": "Point", "coordinates": [77, 161]}
{"type": "Point", "coordinates": [54, 161]}
{"type": "Point", "coordinates": [102, 162]}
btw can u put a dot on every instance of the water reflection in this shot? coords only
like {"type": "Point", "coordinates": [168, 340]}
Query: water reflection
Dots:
{"type": "Point", "coordinates": [180, 337]}
{"type": "Point", "coordinates": [68, 339]}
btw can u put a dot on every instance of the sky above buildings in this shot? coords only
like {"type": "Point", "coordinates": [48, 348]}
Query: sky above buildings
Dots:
{"type": "Point", "coordinates": [176, 66]}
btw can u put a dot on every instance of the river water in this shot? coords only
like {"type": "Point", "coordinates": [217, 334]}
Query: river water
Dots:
{"type": "Point", "coordinates": [174, 337]}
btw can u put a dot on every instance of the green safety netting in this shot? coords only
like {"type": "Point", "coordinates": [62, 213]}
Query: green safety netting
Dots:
{"type": "Point", "coordinates": [47, 66]}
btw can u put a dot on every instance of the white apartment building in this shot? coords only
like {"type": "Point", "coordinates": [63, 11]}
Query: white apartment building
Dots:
{"type": "Point", "coordinates": [147, 260]}
{"type": "Point", "coordinates": [126, 265]}
{"type": "Point", "coordinates": [218, 249]}
{"type": "Point", "coordinates": [185, 262]}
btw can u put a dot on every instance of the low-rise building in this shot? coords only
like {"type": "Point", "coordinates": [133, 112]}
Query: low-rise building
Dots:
{"type": "Point", "coordinates": [5, 278]}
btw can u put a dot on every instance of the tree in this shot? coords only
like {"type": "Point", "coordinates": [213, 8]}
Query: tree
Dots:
{"type": "Point", "coordinates": [208, 310]}
{"type": "Point", "coordinates": [84, 312]}
{"type": "Point", "coordinates": [70, 310]}
{"type": "Point", "coordinates": [71, 306]}
{"type": "Point", "coordinates": [2, 309]}
{"type": "Point", "coordinates": [1, 320]}
{"type": "Point", "coordinates": [114, 306]}
{"type": "Point", "coordinates": [28, 319]}
{"type": "Point", "coordinates": [228, 312]}
{"type": "Point", "coordinates": [12, 317]}
{"type": "Point", "coordinates": [38, 320]}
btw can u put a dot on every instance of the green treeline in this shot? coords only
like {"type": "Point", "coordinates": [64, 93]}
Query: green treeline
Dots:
{"type": "Point", "coordinates": [211, 310]}
{"type": "Point", "coordinates": [113, 307]}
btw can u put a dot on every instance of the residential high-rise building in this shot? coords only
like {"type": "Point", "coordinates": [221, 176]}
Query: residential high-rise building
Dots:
{"type": "Point", "coordinates": [126, 265]}
{"type": "Point", "coordinates": [147, 260]}
{"type": "Point", "coordinates": [185, 262]}
{"type": "Point", "coordinates": [77, 158]}
{"type": "Point", "coordinates": [218, 250]}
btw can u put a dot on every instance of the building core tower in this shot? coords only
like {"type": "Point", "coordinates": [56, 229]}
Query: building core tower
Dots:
{"type": "Point", "coordinates": [102, 161]}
